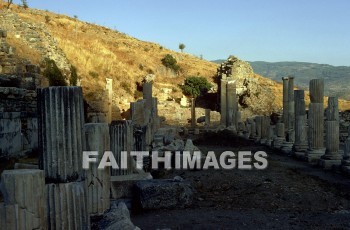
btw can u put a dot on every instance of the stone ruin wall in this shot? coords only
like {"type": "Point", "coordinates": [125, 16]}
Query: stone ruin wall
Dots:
{"type": "Point", "coordinates": [18, 108]}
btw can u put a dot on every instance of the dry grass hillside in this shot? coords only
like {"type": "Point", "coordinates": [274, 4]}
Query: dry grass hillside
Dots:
{"type": "Point", "coordinates": [99, 53]}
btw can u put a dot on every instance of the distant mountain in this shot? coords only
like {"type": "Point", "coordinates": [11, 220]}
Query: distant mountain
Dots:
{"type": "Point", "coordinates": [336, 77]}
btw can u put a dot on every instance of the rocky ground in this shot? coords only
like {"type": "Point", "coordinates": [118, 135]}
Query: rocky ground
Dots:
{"type": "Point", "coordinates": [288, 194]}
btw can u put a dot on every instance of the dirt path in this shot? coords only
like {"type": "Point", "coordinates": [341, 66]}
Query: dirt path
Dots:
{"type": "Point", "coordinates": [287, 195]}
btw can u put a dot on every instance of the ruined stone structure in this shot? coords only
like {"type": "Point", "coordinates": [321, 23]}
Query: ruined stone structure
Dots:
{"type": "Point", "coordinates": [228, 100]}
{"type": "Point", "coordinates": [18, 113]}
{"type": "Point", "coordinates": [316, 121]}
{"type": "Point", "coordinates": [300, 145]}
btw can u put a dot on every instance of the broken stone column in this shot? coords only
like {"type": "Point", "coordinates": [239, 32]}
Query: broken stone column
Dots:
{"type": "Point", "coordinates": [147, 94]}
{"type": "Point", "coordinates": [207, 117]}
{"type": "Point", "coordinates": [138, 112]}
{"type": "Point", "coordinates": [232, 104]}
{"type": "Point", "coordinates": [280, 136]}
{"type": "Point", "coordinates": [258, 123]}
{"type": "Point", "coordinates": [193, 113]}
{"type": "Point", "coordinates": [346, 158]}
{"type": "Point", "coordinates": [67, 208]}
{"type": "Point", "coordinates": [109, 89]}
{"type": "Point", "coordinates": [316, 121]}
{"type": "Point", "coordinates": [265, 126]}
{"type": "Point", "coordinates": [285, 101]}
{"type": "Point", "coordinates": [122, 139]}
{"type": "Point", "coordinates": [332, 156]}
{"type": "Point", "coordinates": [253, 130]}
{"type": "Point", "coordinates": [291, 111]}
{"type": "Point", "coordinates": [223, 103]}
{"type": "Point", "coordinates": [270, 136]}
{"type": "Point", "coordinates": [333, 109]}
{"type": "Point", "coordinates": [97, 180]}
{"type": "Point", "coordinates": [61, 123]}
{"type": "Point", "coordinates": [24, 199]}
{"type": "Point", "coordinates": [300, 145]}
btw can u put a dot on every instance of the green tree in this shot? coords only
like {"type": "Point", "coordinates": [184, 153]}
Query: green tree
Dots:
{"type": "Point", "coordinates": [195, 86]}
{"type": "Point", "coordinates": [53, 73]}
{"type": "Point", "coordinates": [170, 62]}
{"type": "Point", "coordinates": [182, 47]}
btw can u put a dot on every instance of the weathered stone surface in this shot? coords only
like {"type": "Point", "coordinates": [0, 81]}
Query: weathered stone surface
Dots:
{"type": "Point", "coordinates": [24, 198]}
{"type": "Point", "coordinates": [207, 117]}
{"type": "Point", "coordinates": [332, 109]}
{"type": "Point", "coordinates": [121, 134]}
{"type": "Point", "coordinates": [67, 206]}
{"type": "Point", "coordinates": [124, 186]}
{"type": "Point", "coordinates": [285, 101]}
{"type": "Point", "coordinates": [232, 104]}
{"type": "Point", "coordinates": [223, 105]}
{"type": "Point", "coordinates": [61, 124]}
{"type": "Point", "coordinates": [291, 110]}
{"type": "Point", "coordinates": [157, 194]}
{"type": "Point", "coordinates": [109, 92]}
{"type": "Point", "coordinates": [117, 218]}
{"type": "Point", "coordinates": [316, 90]}
{"type": "Point", "coordinates": [193, 113]}
{"type": "Point", "coordinates": [97, 180]}
{"type": "Point", "coordinates": [10, 134]}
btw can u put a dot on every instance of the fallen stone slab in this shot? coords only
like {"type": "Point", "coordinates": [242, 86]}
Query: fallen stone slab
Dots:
{"type": "Point", "coordinates": [124, 186]}
{"type": "Point", "coordinates": [158, 194]}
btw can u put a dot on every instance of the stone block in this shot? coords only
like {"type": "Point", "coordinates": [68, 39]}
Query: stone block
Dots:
{"type": "Point", "coordinates": [158, 194]}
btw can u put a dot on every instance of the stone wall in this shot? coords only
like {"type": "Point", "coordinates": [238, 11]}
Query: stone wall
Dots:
{"type": "Point", "coordinates": [18, 107]}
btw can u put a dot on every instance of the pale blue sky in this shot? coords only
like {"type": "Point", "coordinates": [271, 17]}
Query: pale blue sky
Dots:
{"type": "Point", "coordinates": [253, 30]}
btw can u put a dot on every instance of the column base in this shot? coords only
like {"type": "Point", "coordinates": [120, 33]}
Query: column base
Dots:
{"type": "Point", "coordinates": [277, 142]}
{"type": "Point", "coordinates": [287, 147]}
{"type": "Point", "coordinates": [329, 164]}
{"type": "Point", "coordinates": [300, 147]}
{"type": "Point", "coordinates": [314, 155]}
{"type": "Point", "coordinates": [301, 155]}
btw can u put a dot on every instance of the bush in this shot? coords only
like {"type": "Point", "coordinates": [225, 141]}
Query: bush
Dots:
{"type": "Point", "coordinates": [195, 86]}
{"type": "Point", "coordinates": [170, 62]}
{"type": "Point", "coordinates": [53, 73]}
{"type": "Point", "coordinates": [126, 87]}
{"type": "Point", "coordinates": [73, 76]}
{"type": "Point", "coordinates": [93, 74]}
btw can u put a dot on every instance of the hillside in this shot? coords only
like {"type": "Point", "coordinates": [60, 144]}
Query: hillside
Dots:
{"type": "Point", "coordinates": [334, 76]}
{"type": "Point", "coordinates": [98, 53]}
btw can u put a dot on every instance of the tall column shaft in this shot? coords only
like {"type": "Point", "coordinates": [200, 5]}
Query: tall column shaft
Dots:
{"type": "Point", "coordinates": [316, 126]}
{"type": "Point", "coordinates": [207, 117]}
{"type": "Point", "coordinates": [98, 181]}
{"type": "Point", "coordinates": [61, 122]}
{"type": "Point", "coordinates": [147, 94]}
{"type": "Point", "coordinates": [316, 88]}
{"type": "Point", "coordinates": [285, 101]}
{"type": "Point", "coordinates": [300, 127]}
{"type": "Point", "coordinates": [291, 110]}
{"type": "Point", "coordinates": [223, 102]}
{"type": "Point", "coordinates": [332, 137]}
{"type": "Point", "coordinates": [232, 106]}
{"type": "Point", "coordinates": [332, 109]}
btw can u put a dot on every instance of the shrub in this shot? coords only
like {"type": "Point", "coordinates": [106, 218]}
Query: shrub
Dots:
{"type": "Point", "coordinates": [47, 18]}
{"type": "Point", "coordinates": [170, 62]}
{"type": "Point", "coordinates": [53, 73]}
{"type": "Point", "coordinates": [195, 86]}
{"type": "Point", "coordinates": [126, 87]}
{"type": "Point", "coordinates": [93, 74]}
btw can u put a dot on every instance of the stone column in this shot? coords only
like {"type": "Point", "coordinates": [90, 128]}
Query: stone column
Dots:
{"type": "Point", "coordinates": [109, 89]}
{"type": "Point", "coordinates": [193, 113]}
{"type": "Point", "coordinates": [147, 95]}
{"type": "Point", "coordinates": [67, 206]}
{"type": "Point", "coordinates": [316, 121]}
{"type": "Point", "coordinates": [232, 106]}
{"type": "Point", "coordinates": [98, 181]}
{"type": "Point", "coordinates": [24, 199]}
{"type": "Point", "coordinates": [333, 109]}
{"type": "Point", "coordinates": [291, 112]}
{"type": "Point", "coordinates": [122, 139]}
{"type": "Point", "coordinates": [332, 156]}
{"type": "Point", "coordinates": [207, 117]}
{"type": "Point", "coordinates": [300, 144]}
{"type": "Point", "coordinates": [346, 158]}
{"type": "Point", "coordinates": [285, 101]}
{"type": "Point", "coordinates": [223, 104]}
{"type": "Point", "coordinates": [265, 126]}
{"type": "Point", "coordinates": [253, 130]}
{"type": "Point", "coordinates": [258, 123]}
{"type": "Point", "coordinates": [280, 136]}
{"type": "Point", "coordinates": [61, 123]}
